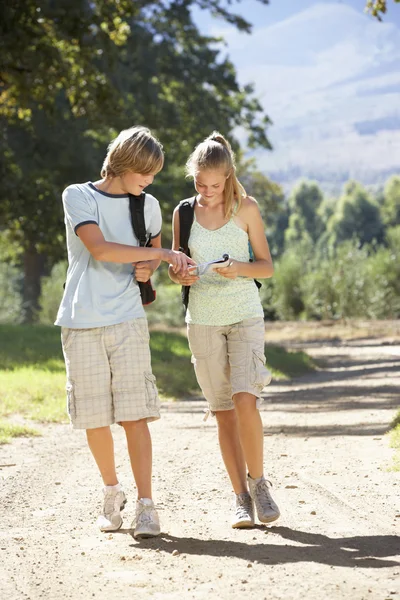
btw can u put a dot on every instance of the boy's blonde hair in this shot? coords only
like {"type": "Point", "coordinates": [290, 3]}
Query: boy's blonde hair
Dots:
{"type": "Point", "coordinates": [136, 150]}
{"type": "Point", "coordinates": [213, 154]}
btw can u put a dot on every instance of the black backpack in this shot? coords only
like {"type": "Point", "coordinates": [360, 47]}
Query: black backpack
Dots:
{"type": "Point", "coordinates": [136, 208]}
{"type": "Point", "coordinates": [186, 216]}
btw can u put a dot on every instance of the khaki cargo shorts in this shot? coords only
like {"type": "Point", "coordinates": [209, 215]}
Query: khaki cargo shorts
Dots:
{"type": "Point", "coordinates": [109, 377]}
{"type": "Point", "coordinates": [229, 360]}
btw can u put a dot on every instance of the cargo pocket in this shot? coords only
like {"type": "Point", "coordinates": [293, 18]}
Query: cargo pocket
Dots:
{"type": "Point", "coordinates": [152, 400]}
{"type": "Point", "coordinates": [71, 405]}
{"type": "Point", "coordinates": [260, 374]}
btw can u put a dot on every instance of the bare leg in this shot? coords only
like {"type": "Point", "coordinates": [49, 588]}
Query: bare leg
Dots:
{"type": "Point", "coordinates": [251, 433]}
{"type": "Point", "coordinates": [140, 454]}
{"type": "Point", "coordinates": [231, 449]}
{"type": "Point", "coordinates": [101, 444]}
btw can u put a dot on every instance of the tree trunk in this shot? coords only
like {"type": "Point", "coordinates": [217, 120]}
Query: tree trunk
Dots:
{"type": "Point", "coordinates": [34, 269]}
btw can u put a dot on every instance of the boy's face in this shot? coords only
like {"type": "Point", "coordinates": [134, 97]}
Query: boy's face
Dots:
{"type": "Point", "coordinates": [135, 183]}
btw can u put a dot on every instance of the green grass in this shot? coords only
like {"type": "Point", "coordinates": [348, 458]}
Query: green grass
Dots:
{"type": "Point", "coordinates": [11, 430]}
{"type": "Point", "coordinates": [32, 374]}
{"type": "Point", "coordinates": [286, 364]}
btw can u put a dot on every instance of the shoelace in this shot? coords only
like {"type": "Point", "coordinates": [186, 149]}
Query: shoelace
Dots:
{"type": "Point", "coordinates": [243, 506]}
{"type": "Point", "coordinates": [262, 486]}
{"type": "Point", "coordinates": [109, 503]}
{"type": "Point", "coordinates": [145, 514]}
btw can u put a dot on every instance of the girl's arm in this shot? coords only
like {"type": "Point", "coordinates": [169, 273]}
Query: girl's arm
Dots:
{"type": "Point", "coordinates": [181, 278]}
{"type": "Point", "coordinates": [93, 238]}
{"type": "Point", "coordinates": [262, 266]}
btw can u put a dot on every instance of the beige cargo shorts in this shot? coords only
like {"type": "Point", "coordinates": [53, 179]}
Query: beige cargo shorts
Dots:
{"type": "Point", "coordinates": [229, 359]}
{"type": "Point", "coordinates": [109, 377]}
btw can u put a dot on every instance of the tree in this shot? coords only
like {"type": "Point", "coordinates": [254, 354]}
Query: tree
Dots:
{"type": "Point", "coordinates": [391, 202]}
{"type": "Point", "coordinates": [377, 8]}
{"type": "Point", "coordinates": [87, 71]}
{"type": "Point", "coordinates": [357, 216]}
{"type": "Point", "coordinates": [304, 221]}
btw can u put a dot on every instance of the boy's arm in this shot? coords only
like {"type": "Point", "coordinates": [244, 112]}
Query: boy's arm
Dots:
{"type": "Point", "coordinates": [93, 238]}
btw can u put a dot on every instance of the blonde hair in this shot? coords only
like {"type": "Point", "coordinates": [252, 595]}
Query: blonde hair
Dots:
{"type": "Point", "coordinates": [213, 154]}
{"type": "Point", "coordinates": [135, 149]}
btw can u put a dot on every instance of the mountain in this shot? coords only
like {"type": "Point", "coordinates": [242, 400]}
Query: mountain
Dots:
{"type": "Point", "coordinates": [329, 78]}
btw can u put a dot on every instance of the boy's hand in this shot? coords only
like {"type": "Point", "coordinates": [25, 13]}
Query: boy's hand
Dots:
{"type": "Point", "coordinates": [143, 270]}
{"type": "Point", "coordinates": [179, 261]}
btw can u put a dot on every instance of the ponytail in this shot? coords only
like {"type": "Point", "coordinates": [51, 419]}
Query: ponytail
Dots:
{"type": "Point", "coordinates": [216, 153]}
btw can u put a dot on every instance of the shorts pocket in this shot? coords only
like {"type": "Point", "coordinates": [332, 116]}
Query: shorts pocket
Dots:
{"type": "Point", "coordinates": [260, 374]}
{"type": "Point", "coordinates": [199, 341]}
{"type": "Point", "coordinates": [141, 329]}
{"type": "Point", "coordinates": [252, 330]}
{"type": "Point", "coordinates": [71, 404]}
{"type": "Point", "coordinates": [151, 390]}
{"type": "Point", "coordinates": [67, 337]}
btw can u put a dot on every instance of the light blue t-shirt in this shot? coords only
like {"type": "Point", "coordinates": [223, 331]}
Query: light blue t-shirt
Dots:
{"type": "Point", "coordinates": [100, 293]}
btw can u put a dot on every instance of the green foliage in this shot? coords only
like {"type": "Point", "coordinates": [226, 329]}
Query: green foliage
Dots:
{"type": "Point", "coordinates": [12, 430]}
{"type": "Point", "coordinates": [304, 222]}
{"type": "Point", "coordinates": [288, 301]}
{"type": "Point", "coordinates": [357, 215]}
{"type": "Point", "coordinates": [391, 202]}
{"type": "Point", "coordinates": [10, 297]}
{"type": "Point", "coordinates": [377, 8]}
{"type": "Point", "coordinates": [51, 294]}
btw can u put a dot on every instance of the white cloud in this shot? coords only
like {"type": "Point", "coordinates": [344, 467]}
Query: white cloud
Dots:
{"type": "Point", "coordinates": [317, 74]}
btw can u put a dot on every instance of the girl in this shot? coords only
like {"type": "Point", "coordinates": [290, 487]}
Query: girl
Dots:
{"type": "Point", "coordinates": [225, 320]}
{"type": "Point", "coordinates": [104, 332]}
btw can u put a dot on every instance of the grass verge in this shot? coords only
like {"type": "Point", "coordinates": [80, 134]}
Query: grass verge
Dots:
{"type": "Point", "coordinates": [32, 374]}
{"type": "Point", "coordinates": [11, 430]}
{"type": "Point", "coordinates": [395, 441]}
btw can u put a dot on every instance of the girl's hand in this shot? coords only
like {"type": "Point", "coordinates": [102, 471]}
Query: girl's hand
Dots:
{"type": "Point", "coordinates": [143, 270]}
{"type": "Point", "coordinates": [231, 271]}
{"type": "Point", "coordinates": [186, 279]}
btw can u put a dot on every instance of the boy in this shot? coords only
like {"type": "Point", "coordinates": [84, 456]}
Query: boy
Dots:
{"type": "Point", "coordinates": [104, 332]}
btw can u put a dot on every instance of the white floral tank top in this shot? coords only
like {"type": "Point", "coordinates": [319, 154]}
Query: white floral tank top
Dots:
{"type": "Point", "coordinates": [213, 299]}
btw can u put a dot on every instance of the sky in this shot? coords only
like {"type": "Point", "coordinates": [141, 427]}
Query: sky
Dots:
{"type": "Point", "coordinates": [328, 76]}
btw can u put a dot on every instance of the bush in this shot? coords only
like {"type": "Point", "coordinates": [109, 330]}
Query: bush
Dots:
{"type": "Point", "coordinates": [52, 291]}
{"type": "Point", "coordinates": [10, 297]}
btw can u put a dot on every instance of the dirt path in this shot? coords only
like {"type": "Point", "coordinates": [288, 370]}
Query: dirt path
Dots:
{"type": "Point", "coordinates": [326, 453]}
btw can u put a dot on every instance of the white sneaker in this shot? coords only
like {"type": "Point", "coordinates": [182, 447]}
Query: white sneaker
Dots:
{"type": "Point", "coordinates": [146, 523]}
{"type": "Point", "coordinates": [110, 519]}
{"type": "Point", "coordinates": [267, 509]}
{"type": "Point", "coordinates": [244, 511]}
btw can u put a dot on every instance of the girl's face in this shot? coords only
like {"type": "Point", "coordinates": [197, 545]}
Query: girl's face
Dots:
{"type": "Point", "coordinates": [135, 183]}
{"type": "Point", "coordinates": [210, 184]}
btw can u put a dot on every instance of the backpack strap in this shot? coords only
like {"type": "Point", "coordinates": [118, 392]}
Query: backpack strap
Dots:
{"type": "Point", "coordinates": [186, 216]}
{"type": "Point", "coordinates": [136, 208]}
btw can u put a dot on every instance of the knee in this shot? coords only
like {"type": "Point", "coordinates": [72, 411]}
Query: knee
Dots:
{"type": "Point", "coordinates": [226, 419]}
{"type": "Point", "coordinates": [245, 404]}
{"type": "Point", "coordinates": [131, 426]}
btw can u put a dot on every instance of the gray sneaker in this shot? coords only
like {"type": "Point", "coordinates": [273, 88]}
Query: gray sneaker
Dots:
{"type": "Point", "coordinates": [110, 519]}
{"type": "Point", "coordinates": [267, 509]}
{"type": "Point", "coordinates": [146, 522]}
{"type": "Point", "coordinates": [244, 511]}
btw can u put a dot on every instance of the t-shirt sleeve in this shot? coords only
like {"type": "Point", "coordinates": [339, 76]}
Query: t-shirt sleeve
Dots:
{"type": "Point", "coordinates": [155, 222]}
{"type": "Point", "coordinates": [78, 208]}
